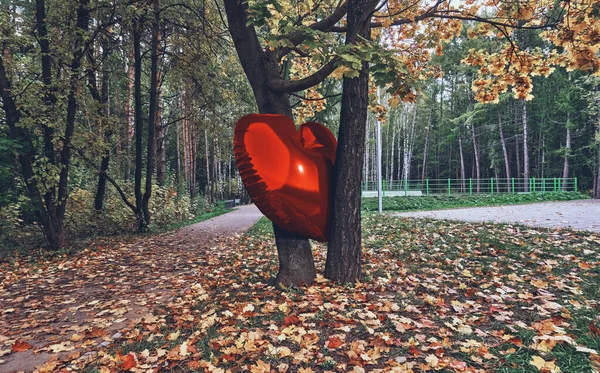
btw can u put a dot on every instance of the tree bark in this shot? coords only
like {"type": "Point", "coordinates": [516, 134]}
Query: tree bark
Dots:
{"type": "Point", "coordinates": [565, 174]}
{"type": "Point", "coordinates": [424, 171]}
{"type": "Point", "coordinates": [104, 112]}
{"type": "Point", "coordinates": [525, 148]}
{"type": "Point", "coordinates": [344, 254]}
{"type": "Point", "coordinates": [137, 103]}
{"type": "Point", "coordinates": [151, 142]}
{"type": "Point", "coordinates": [161, 131]}
{"type": "Point", "coordinates": [504, 152]}
{"type": "Point", "coordinates": [597, 194]}
{"type": "Point", "coordinates": [130, 129]}
{"type": "Point", "coordinates": [296, 264]}
{"type": "Point", "coordinates": [462, 163]}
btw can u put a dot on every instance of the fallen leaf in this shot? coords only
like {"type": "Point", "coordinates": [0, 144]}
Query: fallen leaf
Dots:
{"type": "Point", "coordinates": [334, 342]}
{"type": "Point", "coordinates": [128, 361]}
{"type": "Point", "coordinates": [543, 365]}
{"type": "Point", "coordinates": [20, 346]}
{"type": "Point", "coordinates": [291, 320]}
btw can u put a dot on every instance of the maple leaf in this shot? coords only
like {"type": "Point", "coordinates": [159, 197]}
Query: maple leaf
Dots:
{"type": "Point", "coordinates": [20, 346]}
{"type": "Point", "coordinates": [128, 361]}
{"type": "Point", "coordinates": [61, 347]}
{"type": "Point", "coordinates": [543, 365]}
{"type": "Point", "coordinates": [260, 367]}
{"type": "Point", "coordinates": [95, 332]}
{"type": "Point", "coordinates": [291, 320]}
{"type": "Point", "coordinates": [334, 342]}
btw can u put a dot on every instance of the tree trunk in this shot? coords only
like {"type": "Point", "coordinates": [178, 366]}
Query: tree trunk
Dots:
{"type": "Point", "coordinates": [161, 131]}
{"type": "Point", "coordinates": [597, 194]}
{"type": "Point", "coordinates": [344, 249]}
{"type": "Point", "coordinates": [104, 114]}
{"type": "Point", "coordinates": [525, 148]}
{"type": "Point", "coordinates": [151, 142]}
{"type": "Point", "coordinates": [476, 151]}
{"type": "Point", "coordinates": [367, 152]}
{"type": "Point", "coordinates": [137, 94]}
{"type": "Point", "coordinates": [504, 152]}
{"type": "Point", "coordinates": [565, 174]}
{"type": "Point", "coordinates": [424, 171]}
{"type": "Point", "coordinates": [130, 131]}
{"type": "Point", "coordinates": [296, 263]}
{"type": "Point", "coordinates": [462, 164]}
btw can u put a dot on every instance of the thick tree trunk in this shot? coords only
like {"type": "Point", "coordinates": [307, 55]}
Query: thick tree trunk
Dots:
{"type": "Point", "coordinates": [504, 152]}
{"type": "Point", "coordinates": [25, 157]}
{"type": "Point", "coordinates": [296, 263]}
{"type": "Point", "coordinates": [151, 142]}
{"type": "Point", "coordinates": [526, 169]}
{"type": "Point", "coordinates": [344, 254]}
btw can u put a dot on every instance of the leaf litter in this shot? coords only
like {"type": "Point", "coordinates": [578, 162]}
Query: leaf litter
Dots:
{"type": "Point", "coordinates": [436, 296]}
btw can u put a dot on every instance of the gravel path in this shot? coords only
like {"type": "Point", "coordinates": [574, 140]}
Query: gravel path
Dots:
{"type": "Point", "coordinates": [579, 215]}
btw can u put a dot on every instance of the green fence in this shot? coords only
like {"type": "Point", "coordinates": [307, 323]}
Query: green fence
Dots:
{"type": "Point", "coordinates": [470, 186]}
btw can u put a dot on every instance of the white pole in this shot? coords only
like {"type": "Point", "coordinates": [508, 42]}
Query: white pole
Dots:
{"type": "Point", "coordinates": [379, 186]}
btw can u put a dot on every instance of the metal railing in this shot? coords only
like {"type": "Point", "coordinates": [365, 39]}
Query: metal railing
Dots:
{"type": "Point", "coordinates": [471, 186]}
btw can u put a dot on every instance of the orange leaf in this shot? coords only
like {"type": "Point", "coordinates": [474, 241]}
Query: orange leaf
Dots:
{"type": "Point", "coordinates": [20, 346]}
{"type": "Point", "coordinates": [128, 362]}
{"type": "Point", "coordinates": [414, 351]}
{"type": "Point", "coordinates": [334, 342]}
{"type": "Point", "coordinates": [593, 328]}
{"type": "Point", "coordinates": [289, 320]}
{"type": "Point", "coordinates": [95, 333]}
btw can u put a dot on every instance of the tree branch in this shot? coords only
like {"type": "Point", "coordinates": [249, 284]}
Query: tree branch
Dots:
{"type": "Point", "coordinates": [325, 24]}
{"type": "Point", "coordinates": [109, 179]}
{"type": "Point", "coordinates": [280, 85]}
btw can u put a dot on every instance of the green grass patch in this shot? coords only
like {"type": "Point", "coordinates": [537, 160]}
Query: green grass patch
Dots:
{"type": "Point", "coordinates": [216, 211]}
{"type": "Point", "coordinates": [262, 227]}
{"type": "Point", "coordinates": [416, 203]}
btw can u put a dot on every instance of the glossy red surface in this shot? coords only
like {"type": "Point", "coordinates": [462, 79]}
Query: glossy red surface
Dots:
{"type": "Point", "coordinates": [287, 173]}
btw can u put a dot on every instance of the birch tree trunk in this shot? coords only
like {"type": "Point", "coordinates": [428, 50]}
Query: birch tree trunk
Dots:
{"type": "Point", "coordinates": [565, 174]}
{"type": "Point", "coordinates": [424, 171]}
{"type": "Point", "coordinates": [476, 151]}
{"type": "Point", "coordinates": [525, 148]}
{"type": "Point", "coordinates": [504, 152]}
{"type": "Point", "coordinates": [462, 163]}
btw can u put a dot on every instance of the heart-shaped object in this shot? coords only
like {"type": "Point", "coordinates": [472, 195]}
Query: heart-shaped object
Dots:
{"type": "Point", "coordinates": [287, 173]}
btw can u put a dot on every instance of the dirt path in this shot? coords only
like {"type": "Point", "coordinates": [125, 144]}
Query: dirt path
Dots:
{"type": "Point", "coordinates": [579, 215]}
{"type": "Point", "coordinates": [69, 307]}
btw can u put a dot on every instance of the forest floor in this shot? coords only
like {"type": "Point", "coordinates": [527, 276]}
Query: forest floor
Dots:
{"type": "Point", "coordinates": [441, 296]}
{"type": "Point", "coordinates": [580, 215]}
{"type": "Point", "coordinates": [54, 306]}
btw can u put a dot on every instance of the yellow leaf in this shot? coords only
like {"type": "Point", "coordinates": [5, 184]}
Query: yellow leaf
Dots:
{"type": "Point", "coordinates": [173, 336]}
{"type": "Point", "coordinates": [260, 367]}
{"type": "Point", "coordinates": [543, 365]}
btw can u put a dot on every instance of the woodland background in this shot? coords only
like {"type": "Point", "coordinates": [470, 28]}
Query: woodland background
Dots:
{"type": "Point", "coordinates": [125, 113]}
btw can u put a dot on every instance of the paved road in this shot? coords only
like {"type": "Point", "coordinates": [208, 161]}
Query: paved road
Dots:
{"type": "Point", "coordinates": [579, 215]}
{"type": "Point", "coordinates": [235, 222]}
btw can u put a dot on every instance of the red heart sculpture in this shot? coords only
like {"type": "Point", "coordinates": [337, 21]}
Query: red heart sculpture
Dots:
{"type": "Point", "coordinates": [287, 173]}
